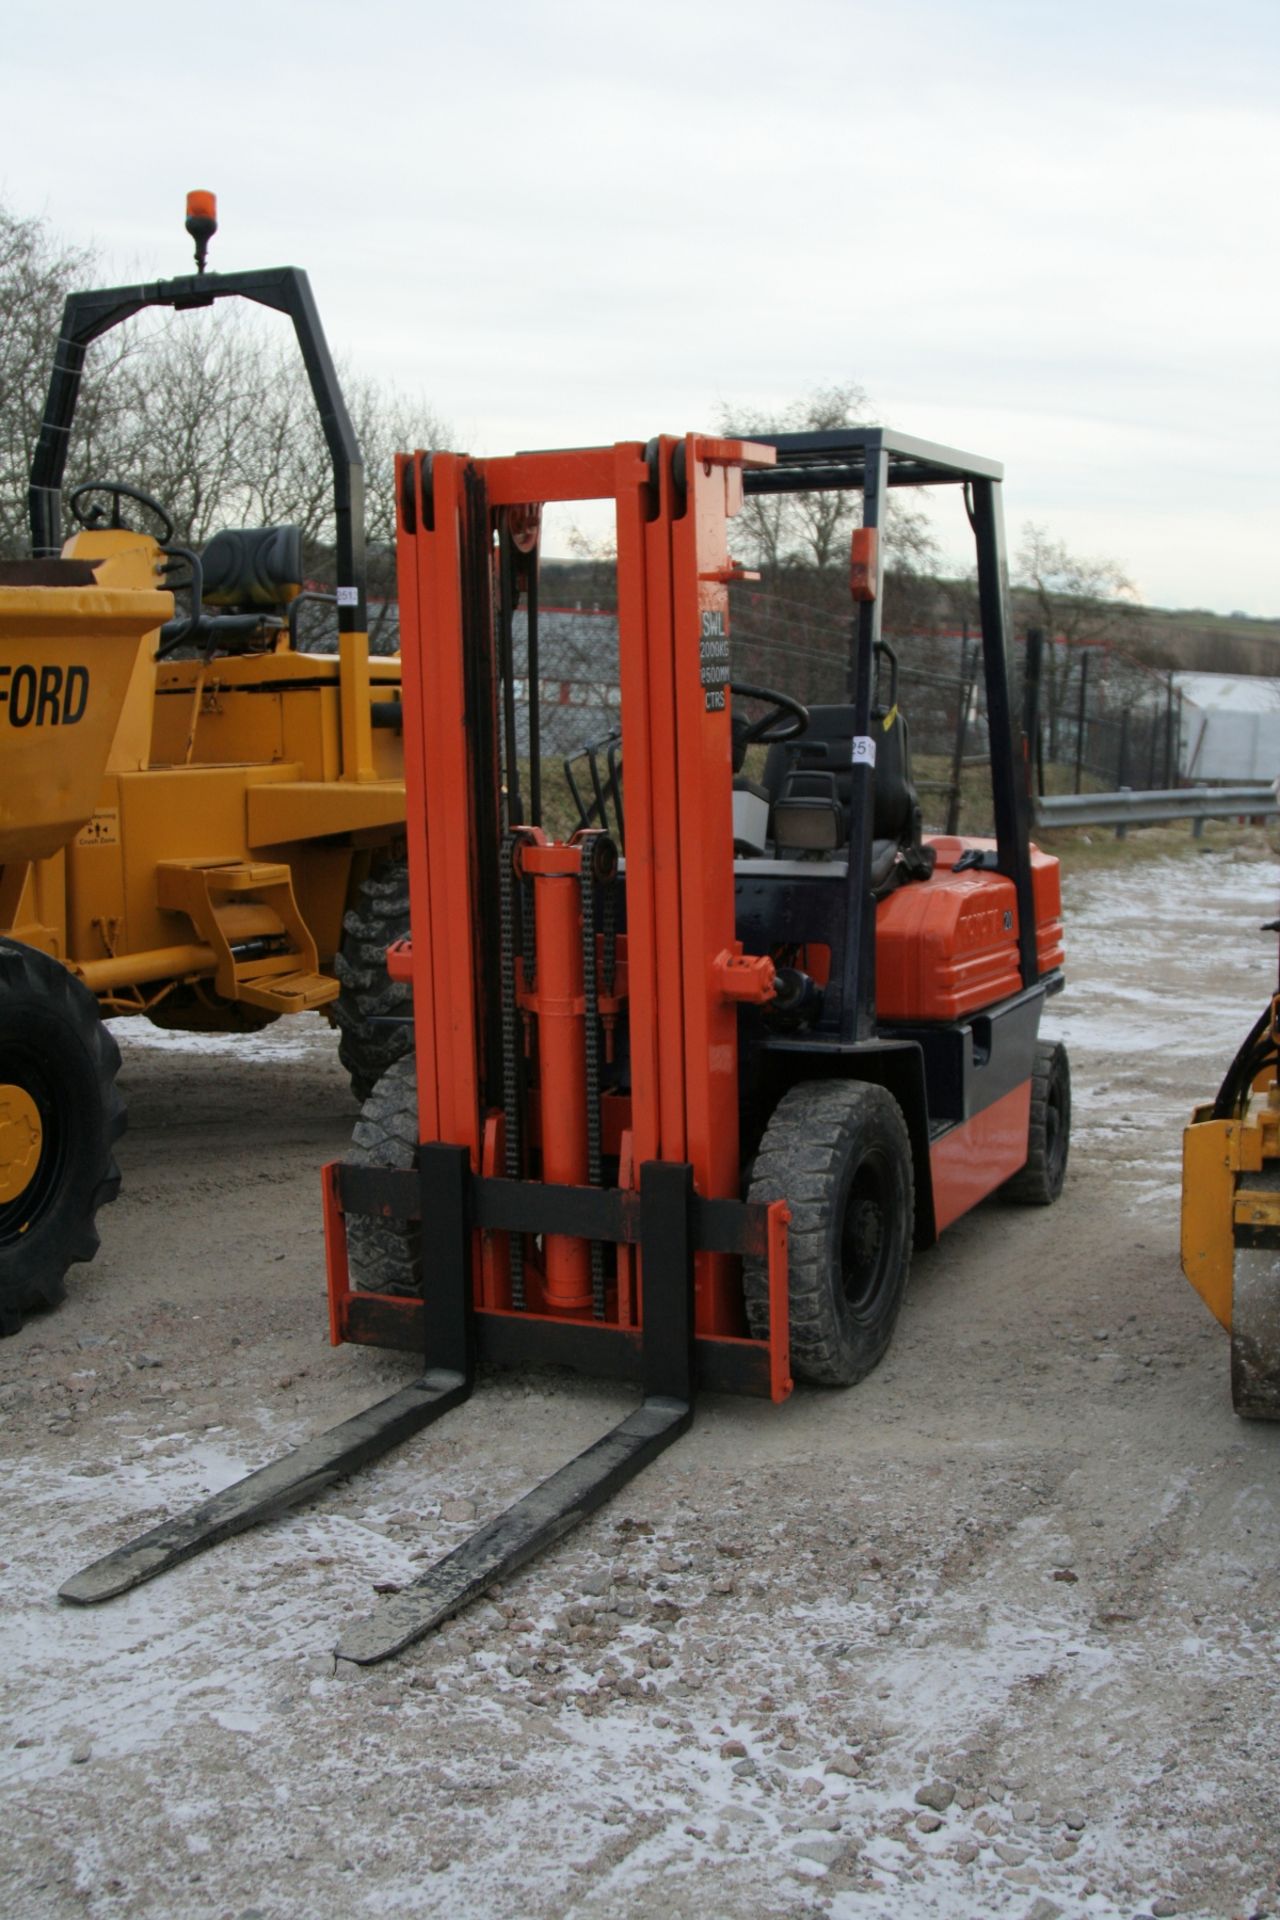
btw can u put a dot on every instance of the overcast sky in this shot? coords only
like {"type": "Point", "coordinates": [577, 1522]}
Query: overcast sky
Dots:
{"type": "Point", "coordinates": [1042, 232]}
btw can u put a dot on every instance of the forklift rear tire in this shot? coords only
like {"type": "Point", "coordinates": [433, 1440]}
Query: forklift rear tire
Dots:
{"type": "Point", "coordinates": [1049, 1134]}
{"type": "Point", "coordinates": [373, 1011]}
{"type": "Point", "coordinates": [60, 1117]}
{"type": "Point", "coordinates": [839, 1153]}
{"type": "Point", "coordinates": [385, 1256]}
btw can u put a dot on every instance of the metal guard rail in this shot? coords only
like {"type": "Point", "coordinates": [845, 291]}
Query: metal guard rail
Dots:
{"type": "Point", "coordinates": [1138, 809]}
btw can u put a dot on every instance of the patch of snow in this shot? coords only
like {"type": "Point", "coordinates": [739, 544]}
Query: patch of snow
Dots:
{"type": "Point", "coordinates": [293, 1038]}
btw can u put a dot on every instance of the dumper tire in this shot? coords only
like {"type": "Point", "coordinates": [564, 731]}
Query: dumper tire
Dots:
{"type": "Point", "coordinates": [1048, 1133]}
{"type": "Point", "coordinates": [838, 1152]}
{"type": "Point", "coordinates": [1255, 1325]}
{"type": "Point", "coordinates": [58, 1062]}
{"type": "Point", "coordinates": [373, 1012]}
{"type": "Point", "coordinates": [385, 1256]}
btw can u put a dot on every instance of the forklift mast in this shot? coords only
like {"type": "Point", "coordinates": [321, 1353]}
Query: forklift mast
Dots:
{"type": "Point", "coordinates": [678, 969]}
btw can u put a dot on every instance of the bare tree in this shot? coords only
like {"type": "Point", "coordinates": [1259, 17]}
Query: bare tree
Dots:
{"type": "Point", "coordinates": [387, 421]}
{"type": "Point", "coordinates": [780, 529]}
{"type": "Point", "coordinates": [36, 272]}
{"type": "Point", "coordinates": [793, 628]}
{"type": "Point", "coordinates": [202, 400]}
{"type": "Point", "coordinates": [776, 530]}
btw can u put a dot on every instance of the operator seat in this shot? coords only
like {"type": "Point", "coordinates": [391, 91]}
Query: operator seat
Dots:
{"type": "Point", "coordinates": [248, 577]}
{"type": "Point", "coordinates": [247, 567]}
{"type": "Point", "coordinates": [810, 783]}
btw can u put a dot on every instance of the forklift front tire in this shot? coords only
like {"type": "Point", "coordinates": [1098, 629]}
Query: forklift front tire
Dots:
{"type": "Point", "coordinates": [838, 1152]}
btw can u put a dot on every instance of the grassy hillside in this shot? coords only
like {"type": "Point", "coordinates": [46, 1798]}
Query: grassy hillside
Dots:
{"type": "Point", "coordinates": [1203, 642]}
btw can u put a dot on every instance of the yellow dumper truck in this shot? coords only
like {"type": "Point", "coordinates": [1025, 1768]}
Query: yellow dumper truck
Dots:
{"type": "Point", "coordinates": [200, 824]}
{"type": "Point", "coordinates": [1231, 1213]}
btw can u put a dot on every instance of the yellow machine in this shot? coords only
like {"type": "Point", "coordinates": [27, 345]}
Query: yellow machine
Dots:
{"type": "Point", "coordinates": [1231, 1215]}
{"type": "Point", "coordinates": [206, 841]}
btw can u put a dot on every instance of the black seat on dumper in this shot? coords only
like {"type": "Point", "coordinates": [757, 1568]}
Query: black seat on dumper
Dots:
{"type": "Point", "coordinates": [810, 782]}
{"type": "Point", "coordinates": [248, 576]}
{"type": "Point", "coordinates": [252, 567]}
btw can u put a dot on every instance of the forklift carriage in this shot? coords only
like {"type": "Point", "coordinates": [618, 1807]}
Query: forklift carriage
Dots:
{"type": "Point", "coordinates": [689, 1084]}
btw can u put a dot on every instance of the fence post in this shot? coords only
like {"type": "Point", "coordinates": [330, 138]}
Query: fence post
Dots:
{"type": "Point", "coordinates": [1177, 744]}
{"type": "Point", "coordinates": [1080, 714]}
{"type": "Point", "coordinates": [968, 678]}
{"type": "Point", "coordinates": [1032, 670]}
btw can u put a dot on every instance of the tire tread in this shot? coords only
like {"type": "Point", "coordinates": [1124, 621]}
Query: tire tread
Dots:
{"type": "Point", "coordinates": [801, 1158]}
{"type": "Point", "coordinates": [385, 1256]}
{"type": "Point", "coordinates": [35, 1277]}
{"type": "Point", "coordinates": [1036, 1184]}
{"type": "Point", "coordinates": [367, 994]}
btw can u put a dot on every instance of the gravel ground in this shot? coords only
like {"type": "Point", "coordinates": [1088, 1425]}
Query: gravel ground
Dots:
{"type": "Point", "coordinates": [993, 1634]}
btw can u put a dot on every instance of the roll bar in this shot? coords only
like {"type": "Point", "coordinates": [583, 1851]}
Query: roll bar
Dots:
{"type": "Point", "coordinates": [287, 290]}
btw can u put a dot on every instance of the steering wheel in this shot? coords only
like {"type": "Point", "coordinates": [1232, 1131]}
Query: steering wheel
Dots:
{"type": "Point", "coordinates": [785, 721]}
{"type": "Point", "coordinates": [117, 491]}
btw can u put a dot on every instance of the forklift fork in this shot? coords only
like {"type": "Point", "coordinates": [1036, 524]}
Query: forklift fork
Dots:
{"type": "Point", "coordinates": [544, 1515]}
{"type": "Point", "coordinates": [272, 1490]}
{"type": "Point", "coordinates": [340, 1450]}
{"type": "Point", "coordinates": [566, 1497]}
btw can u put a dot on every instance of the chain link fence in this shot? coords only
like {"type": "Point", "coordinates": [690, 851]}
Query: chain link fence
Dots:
{"type": "Point", "coordinates": [1105, 722]}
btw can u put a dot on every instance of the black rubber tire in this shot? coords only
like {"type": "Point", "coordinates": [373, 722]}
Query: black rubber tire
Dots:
{"type": "Point", "coordinates": [372, 1010]}
{"type": "Point", "coordinates": [1255, 1323]}
{"type": "Point", "coordinates": [839, 1154]}
{"type": "Point", "coordinates": [54, 1046]}
{"type": "Point", "coordinates": [1049, 1132]}
{"type": "Point", "coordinates": [382, 1255]}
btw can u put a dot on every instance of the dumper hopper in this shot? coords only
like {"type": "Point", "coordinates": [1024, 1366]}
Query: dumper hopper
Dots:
{"type": "Point", "coordinates": [67, 650]}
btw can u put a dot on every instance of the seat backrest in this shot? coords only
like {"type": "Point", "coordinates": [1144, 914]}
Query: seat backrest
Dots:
{"type": "Point", "coordinates": [897, 808]}
{"type": "Point", "coordinates": [253, 567]}
{"type": "Point", "coordinates": [826, 746]}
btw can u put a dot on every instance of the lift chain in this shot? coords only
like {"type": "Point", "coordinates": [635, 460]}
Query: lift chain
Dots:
{"type": "Point", "coordinates": [591, 1027]}
{"type": "Point", "coordinates": [599, 864]}
{"type": "Point", "coordinates": [511, 1054]}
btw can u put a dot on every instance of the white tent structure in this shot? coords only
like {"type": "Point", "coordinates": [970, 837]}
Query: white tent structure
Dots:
{"type": "Point", "coordinates": [1230, 727]}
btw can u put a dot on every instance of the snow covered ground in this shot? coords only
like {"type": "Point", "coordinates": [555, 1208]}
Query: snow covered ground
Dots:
{"type": "Point", "coordinates": [994, 1634]}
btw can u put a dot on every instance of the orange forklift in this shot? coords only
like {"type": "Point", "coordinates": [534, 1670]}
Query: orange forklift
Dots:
{"type": "Point", "coordinates": [691, 1080]}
